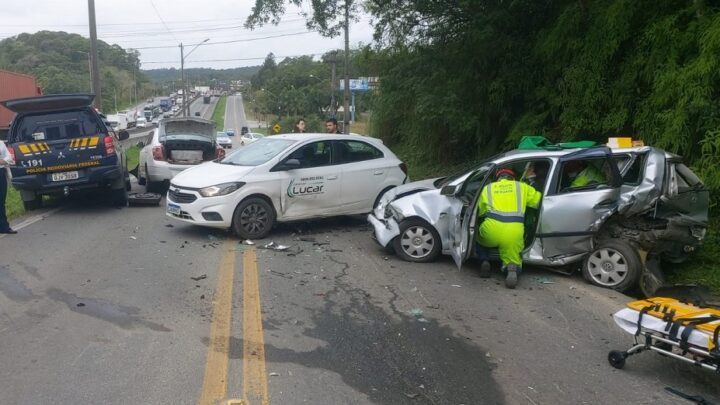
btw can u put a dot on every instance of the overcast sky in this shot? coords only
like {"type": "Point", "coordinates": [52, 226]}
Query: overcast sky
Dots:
{"type": "Point", "coordinates": [137, 24]}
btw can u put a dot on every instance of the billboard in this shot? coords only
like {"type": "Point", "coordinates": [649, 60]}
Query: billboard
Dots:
{"type": "Point", "coordinates": [360, 84]}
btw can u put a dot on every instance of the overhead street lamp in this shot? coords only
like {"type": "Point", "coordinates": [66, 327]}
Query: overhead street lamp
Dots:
{"type": "Point", "coordinates": [186, 109]}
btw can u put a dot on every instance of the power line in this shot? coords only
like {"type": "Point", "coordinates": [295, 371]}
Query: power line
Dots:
{"type": "Point", "coordinates": [214, 20]}
{"type": "Point", "coordinates": [230, 42]}
{"type": "Point", "coordinates": [161, 20]}
{"type": "Point", "coordinates": [237, 59]}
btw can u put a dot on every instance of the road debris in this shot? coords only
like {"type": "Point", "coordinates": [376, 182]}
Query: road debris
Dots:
{"type": "Point", "coordinates": [416, 312]}
{"type": "Point", "coordinates": [275, 246]}
{"type": "Point", "coordinates": [212, 237]}
{"type": "Point", "coordinates": [412, 395]}
{"type": "Point", "coordinates": [200, 277]}
{"type": "Point", "coordinates": [281, 274]}
{"type": "Point", "coordinates": [169, 226]}
{"type": "Point", "coordinates": [456, 285]}
{"type": "Point", "coordinates": [80, 304]}
{"type": "Point", "coordinates": [273, 374]}
{"type": "Point", "coordinates": [202, 297]}
{"type": "Point", "coordinates": [133, 238]}
{"type": "Point", "coordinates": [247, 242]}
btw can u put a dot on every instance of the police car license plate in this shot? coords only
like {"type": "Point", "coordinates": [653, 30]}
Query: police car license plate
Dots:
{"type": "Point", "coordinates": [64, 176]}
{"type": "Point", "coordinates": [173, 209]}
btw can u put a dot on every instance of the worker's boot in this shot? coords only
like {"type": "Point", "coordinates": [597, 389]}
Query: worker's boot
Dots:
{"type": "Point", "coordinates": [485, 269]}
{"type": "Point", "coordinates": [511, 279]}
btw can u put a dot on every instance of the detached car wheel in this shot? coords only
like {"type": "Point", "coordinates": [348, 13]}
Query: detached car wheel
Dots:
{"type": "Point", "coordinates": [253, 218]}
{"type": "Point", "coordinates": [613, 264]}
{"type": "Point", "coordinates": [418, 241]}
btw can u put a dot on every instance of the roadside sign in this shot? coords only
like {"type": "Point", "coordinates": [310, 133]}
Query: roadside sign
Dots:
{"type": "Point", "coordinates": [361, 84]}
{"type": "Point", "coordinates": [276, 128]}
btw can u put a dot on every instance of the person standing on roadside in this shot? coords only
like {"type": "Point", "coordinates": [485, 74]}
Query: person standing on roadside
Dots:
{"type": "Point", "coordinates": [331, 126]}
{"type": "Point", "coordinates": [6, 160]}
{"type": "Point", "coordinates": [299, 126]}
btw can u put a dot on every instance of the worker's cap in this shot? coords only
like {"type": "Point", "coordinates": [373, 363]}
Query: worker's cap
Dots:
{"type": "Point", "coordinates": [505, 171]}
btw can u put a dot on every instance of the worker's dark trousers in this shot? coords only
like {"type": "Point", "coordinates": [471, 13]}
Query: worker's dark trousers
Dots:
{"type": "Point", "coordinates": [3, 196]}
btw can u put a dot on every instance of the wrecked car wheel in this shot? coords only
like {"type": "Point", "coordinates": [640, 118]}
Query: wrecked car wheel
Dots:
{"type": "Point", "coordinates": [253, 218]}
{"type": "Point", "coordinates": [418, 241]}
{"type": "Point", "coordinates": [613, 264]}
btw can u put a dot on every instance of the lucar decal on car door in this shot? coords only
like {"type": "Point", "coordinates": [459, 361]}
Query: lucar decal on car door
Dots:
{"type": "Point", "coordinates": [305, 186]}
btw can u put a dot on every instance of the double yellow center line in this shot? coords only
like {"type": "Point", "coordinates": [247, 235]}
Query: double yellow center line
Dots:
{"type": "Point", "coordinates": [215, 383]}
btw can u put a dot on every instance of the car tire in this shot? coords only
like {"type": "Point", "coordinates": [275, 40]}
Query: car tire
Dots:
{"type": "Point", "coordinates": [120, 197]}
{"type": "Point", "coordinates": [613, 264]}
{"type": "Point", "coordinates": [418, 241]}
{"type": "Point", "coordinates": [254, 218]}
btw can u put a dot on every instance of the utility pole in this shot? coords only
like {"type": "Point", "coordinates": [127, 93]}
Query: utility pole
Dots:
{"type": "Point", "coordinates": [95, 71]}
{"type": "Point", "coordinates": [346, 93]}
{"type": "Point", "coordinates": [182, 78]}
{"type": "Point", "coordinates": [332, 85]}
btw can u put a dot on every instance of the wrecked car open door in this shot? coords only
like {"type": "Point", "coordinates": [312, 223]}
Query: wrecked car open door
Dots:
{"type": "Point", "coordinates": [463, 215]}
{"type": "Point", "coordinates": [584, 192]}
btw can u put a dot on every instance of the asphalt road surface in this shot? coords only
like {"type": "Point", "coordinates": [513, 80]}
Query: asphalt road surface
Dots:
{"type": "Point", "coordinates": [107, 306]}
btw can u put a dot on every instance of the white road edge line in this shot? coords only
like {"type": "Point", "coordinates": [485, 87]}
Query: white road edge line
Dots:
{"type": "Point", "coordinates": [32, 220]}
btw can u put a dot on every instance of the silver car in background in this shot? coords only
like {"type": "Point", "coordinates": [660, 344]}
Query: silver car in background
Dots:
{"type": "Point", "coordinates": [651, 207]}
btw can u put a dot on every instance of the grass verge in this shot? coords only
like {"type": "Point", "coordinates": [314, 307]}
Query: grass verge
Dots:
{"type": "Point", "coordinates": [219, 114]}
{"type": "Point", "coordinates": [133, 157]}
{"type": "Point", "coordinates": [13, 204]}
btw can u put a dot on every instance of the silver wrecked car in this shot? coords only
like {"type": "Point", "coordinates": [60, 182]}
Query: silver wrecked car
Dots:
{"type": "Point", "coordinates": [649, 207]}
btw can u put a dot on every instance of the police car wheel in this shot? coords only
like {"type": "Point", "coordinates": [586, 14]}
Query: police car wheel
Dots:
{"type": "Point", "coordinates": [253, 218]}
{"type": "Point", "coordinates": [418, 241]}
{"type": "Point", "coordinates": [613, 264]}
{"type": "Point", "coordinates": [120, 197]}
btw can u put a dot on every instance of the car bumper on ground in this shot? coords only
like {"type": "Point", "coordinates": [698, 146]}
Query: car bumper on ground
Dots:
{"type": "Point", "coordinates": [385, 230]}
{"type": "Point", "coordinates": [189, 206]}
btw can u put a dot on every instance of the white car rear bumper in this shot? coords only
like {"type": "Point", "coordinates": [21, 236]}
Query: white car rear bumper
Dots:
{"type": "Point", "coordinates": [160, 171]}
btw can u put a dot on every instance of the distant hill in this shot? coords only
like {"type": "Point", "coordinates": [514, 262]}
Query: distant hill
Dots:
{"type": "Point", "coordinates": [59, 61]}
{"type": "Point", "coordinates": [204, 76]}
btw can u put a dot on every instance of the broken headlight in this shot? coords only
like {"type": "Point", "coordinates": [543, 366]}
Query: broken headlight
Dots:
{"type": "Point", "coordinates": [698, 232]}
{"type": "Point", "coordinates": [393, 212]}
{"type": "Point", "coordinates": [220, 189]}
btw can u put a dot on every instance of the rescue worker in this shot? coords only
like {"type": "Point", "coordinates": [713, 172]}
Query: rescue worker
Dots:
{"type": "Point", "coordinates": [502, 204]}
{"type": "Point", "coordinates": [582, 174]}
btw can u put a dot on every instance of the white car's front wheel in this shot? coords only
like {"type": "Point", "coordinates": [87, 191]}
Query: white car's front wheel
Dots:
{"type": "Point", "coordinates": [253, 218]}
{"type": "Point", "coordinates": [418, 241]}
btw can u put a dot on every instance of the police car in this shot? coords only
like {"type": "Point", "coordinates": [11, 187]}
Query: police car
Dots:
{"type": "Point", "coordinates": [62, 145]}
{"type": "Point", "coordinates": [285, 178]}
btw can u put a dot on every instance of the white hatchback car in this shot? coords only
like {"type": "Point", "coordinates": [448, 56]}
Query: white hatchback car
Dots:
{"type": "Point", "coordinates": [285, 178]}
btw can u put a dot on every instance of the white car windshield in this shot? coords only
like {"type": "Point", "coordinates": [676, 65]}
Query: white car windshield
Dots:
{"type": "Point", "coordinates": [258, 152]}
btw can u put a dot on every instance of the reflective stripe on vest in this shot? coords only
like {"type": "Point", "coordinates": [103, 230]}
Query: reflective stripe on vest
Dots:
{"type": "Point", "coordinates": [506, 216]}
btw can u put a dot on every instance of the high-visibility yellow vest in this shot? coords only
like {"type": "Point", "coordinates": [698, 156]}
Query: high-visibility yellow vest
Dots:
{"type": "Point", "coordinates": [506, 200]}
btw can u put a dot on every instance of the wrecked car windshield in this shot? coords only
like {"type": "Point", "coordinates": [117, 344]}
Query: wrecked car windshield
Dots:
{"type": "Point", "coordinates": [443, 181]}
{"type": "Point", "coordinates": [257, 152]}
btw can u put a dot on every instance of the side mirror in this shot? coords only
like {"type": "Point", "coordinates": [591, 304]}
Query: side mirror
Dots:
{"type": "Point", "coordinates": [448, 190]}
{"type": "Point", "coordinates": [123, 135]}
{"type": "Point", "coordinates": [291, 164]}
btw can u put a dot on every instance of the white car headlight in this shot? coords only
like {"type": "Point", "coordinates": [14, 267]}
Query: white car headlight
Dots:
{"type": "Point", "coordinates": [220, 189]}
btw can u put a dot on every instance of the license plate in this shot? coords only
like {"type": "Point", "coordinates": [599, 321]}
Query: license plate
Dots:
{"type": "Point", "coordinates": [173, 209]}
{"type": "Point", "coordinates": [64, 176]}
